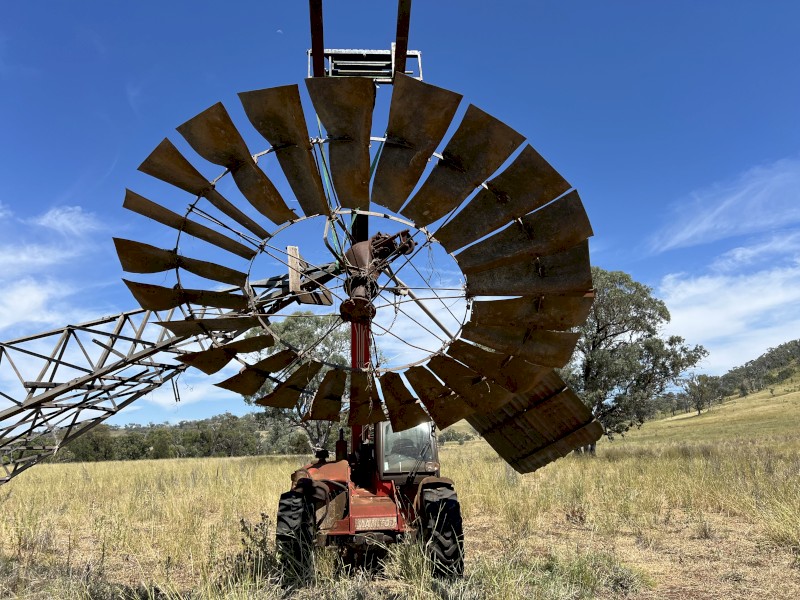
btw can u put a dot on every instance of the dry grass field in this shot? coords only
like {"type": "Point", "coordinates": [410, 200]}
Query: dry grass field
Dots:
{"type": "Point", "coordinates": [688, 507]}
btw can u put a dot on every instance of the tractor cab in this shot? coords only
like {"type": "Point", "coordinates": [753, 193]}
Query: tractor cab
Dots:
{"type": "Point", "coordinates": [408, 456]}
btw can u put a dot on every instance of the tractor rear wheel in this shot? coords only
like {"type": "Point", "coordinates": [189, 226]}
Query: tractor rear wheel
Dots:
{"type": "Point", "coordinates": [442, 531]}
{"type": "Point", "coordinates": [294, 533]}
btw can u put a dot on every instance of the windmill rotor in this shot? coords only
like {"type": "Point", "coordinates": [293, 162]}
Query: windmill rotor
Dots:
{"type": "Point", "coordinates": [481, 342]}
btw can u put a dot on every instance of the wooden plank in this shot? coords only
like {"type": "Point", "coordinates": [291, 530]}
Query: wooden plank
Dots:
{"type": "Point", "coordinates": [443, 405]}
{"type": "Point", "coordinates": [404, 410]}
{"type": "Point", "coordinates": [557, 313]}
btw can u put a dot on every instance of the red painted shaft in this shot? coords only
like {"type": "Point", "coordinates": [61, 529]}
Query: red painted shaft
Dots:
{"type": "Point", "coordinates": [359, 359]}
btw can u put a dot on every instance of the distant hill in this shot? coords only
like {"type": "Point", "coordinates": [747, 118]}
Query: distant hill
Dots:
{"type": "Point", "coordinates": [776, 366]}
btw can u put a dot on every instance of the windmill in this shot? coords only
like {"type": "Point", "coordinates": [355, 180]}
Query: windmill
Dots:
{"type": "Point", "coordinates": [447, 234]}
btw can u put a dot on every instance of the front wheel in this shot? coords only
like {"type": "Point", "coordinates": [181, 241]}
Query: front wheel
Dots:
{"type": "Point", "coordinates": [442, 531]}
{"type": "Point", "coordinates": [294, 534]}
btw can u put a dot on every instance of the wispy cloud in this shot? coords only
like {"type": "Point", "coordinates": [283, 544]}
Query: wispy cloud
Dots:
{"type": "Point", "coordinates": [760, 199]}
{"type": "Point", "coordinates": [68, 220]}
{"type": "Point", "coordinates": [736, 316]}
{"type": "Point", "coordinates": [777, 248]}
{"type": "Point", "coordinates": [5, 211]}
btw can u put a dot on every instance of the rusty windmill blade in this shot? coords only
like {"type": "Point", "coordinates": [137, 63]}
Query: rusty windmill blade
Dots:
{"type": "Point", "coordinates": [478, 392]}
{"type": "Point", "coordinates": [511, 372]}
{"type": "Point", "coordinates": [287, 394]}
{"type": "Point", "coordinates": [212, 360]}
{"type": "Point", "coordinates": [213, 136]}
{"type": "Point", "coordinates": [192, 326]}
{"type": "Point", "coordinates": [555, 228]}
{"type": "Point", "coordinates": [557, 313]}
{"type": "Point", "coordinates": [168, 164]}
{"type": "Point", "coordinates": [344, 106]}
{"type": "Point", "coordinates": [419, 116]}
{"type": "Point", "coordinates": [537, 427]}
{"type": "Point", "coordinates": [480, 145]}
{"type": "Point", "coordinates": [537, 346]}
{"type": "Point", "coordinates": [137, 257]}
{"type": "Point", "coordinates": [365, 404]}
{"type": "Point", "coordinates": [327, 403]}
{"type": "Point", "coordinates": [443, 405]}
{"type": "Point", "coordinates": [567, 272]}
{"type": "Point", "coordinates": [250, 378]}
{"type": "Point", "coordinates": [156, 297]}
{"type": "Point", "coordinates": [528, 183]}
{"type": "Point", "coordinates": [276, 113]}
{"type": "Point", "coordinates": [147, 208]}
{"type": "Point", "coordinates": [404, 410]}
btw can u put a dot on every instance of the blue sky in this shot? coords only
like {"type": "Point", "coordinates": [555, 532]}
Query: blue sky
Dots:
{"type": "Point", "coordinates": [676, 121]}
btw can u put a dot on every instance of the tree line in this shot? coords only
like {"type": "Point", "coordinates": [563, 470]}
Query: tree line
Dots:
{"type": "Point", "coordinates": [625, 368]}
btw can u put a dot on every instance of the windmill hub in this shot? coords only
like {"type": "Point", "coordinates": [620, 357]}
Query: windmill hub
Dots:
{"type": "Point", "coordinates": [365, 261]}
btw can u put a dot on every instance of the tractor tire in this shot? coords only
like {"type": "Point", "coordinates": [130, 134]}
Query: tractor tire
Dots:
{"type": "Point", "coordinates": [294, 534]}
{"type": "Point", "coordinates": [442, 531]}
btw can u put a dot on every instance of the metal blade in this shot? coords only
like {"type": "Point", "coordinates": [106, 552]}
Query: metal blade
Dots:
{"type": "Point", "coordinates": [528, 183]}
{"type": "Point", "coordinates": [168, 164]}
{"type": "Point", "coordinates": [156, 297]}
{"type": "Point", "coordinates": [277, 114]}
{"type": "Point", "coordinates": [536, 428]}
{"type": "Point", "coordinates": [404, 410]}
{"type": "Point", "coordinates": [250, 379]}
{"type": "Point", "coordinates": [563, 273]}
{"type": "Point", "coordinates": [419, 116]}
{"type": "Point", "coordinates": [538, 346]}
{"type": "Point", "coordinates": [477, 391]}
{"type": "Point", "coordinates": [365, 404]}
{"type": "Point", "coordinates": [327, 401]}
{"type": "Point", "coordinates": [214, 137]}
{"type": "Point", "coordinates": [344, 105]}
{"type": "Point", "coordinates": [555, 228]}
{"type": "Point", "coordinates": [512, 372]}
{"type": "Point", "coordinates": [480, 145]}
{"type": "Point", "coordinates": [148, 208]}
{"type": "Point", "coordinates": [443, 405]}
{"type": "Point", "coordinates": [137, 257]}
{"type": "Point", "coordinates": [557, 313]}
{"type": "Point", "coordinates": [288, 393]}
{"type": "Point", "coordinates": [212, 360]}
{"type": "Point", "coordinates": [204, 326]}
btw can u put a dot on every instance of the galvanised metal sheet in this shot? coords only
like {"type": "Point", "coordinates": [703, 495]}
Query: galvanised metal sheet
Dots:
{"type": "Point", "coordinates": [557, 313]}
{"type": "Point", "coordinates": [528, 183]}
{"type": "Point", "coordinates": [555, 228]}
{"type": "Point", "coordinates": [567, 272]}
{"type": "Point", "coordinates": [419, 116]}
{"type": "Point", "coordinates": [277, 114]}
{"type": "Point", "coordinates": [480, 145]}
{"type": "Point", "coordinates": [213, 136]}
{"type": "Point", "coordinates": [147, 208]}
{"type": "Point", "coordinates": [344, 105]}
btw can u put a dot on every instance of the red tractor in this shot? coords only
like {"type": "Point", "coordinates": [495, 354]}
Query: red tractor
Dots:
{"type": "Point", "coordinates": [388, 488]}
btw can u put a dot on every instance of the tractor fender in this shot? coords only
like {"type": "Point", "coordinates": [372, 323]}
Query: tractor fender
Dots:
{"type": "Point", "coordinates": [428, 483]}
